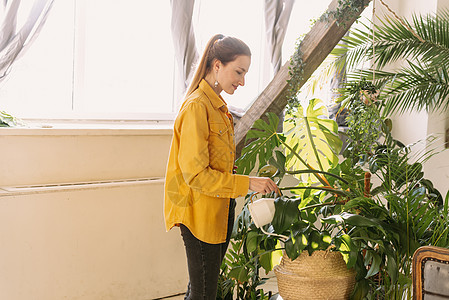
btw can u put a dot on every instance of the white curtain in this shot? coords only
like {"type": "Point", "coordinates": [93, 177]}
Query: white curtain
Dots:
{"type": "Point", "coordinates": [277, 16]}
{"type": "Point", "coordinates": [184, 43]}
{"type": "Point", "coordinates": [15, 41]}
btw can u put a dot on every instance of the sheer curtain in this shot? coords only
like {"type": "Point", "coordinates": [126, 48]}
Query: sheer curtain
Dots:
{"type": "Point", "coordinates": [184, 43]}
{"type": "Point", "coordinates": [15, 41]}
{"type": "Point", "coordinates": [277, 16]}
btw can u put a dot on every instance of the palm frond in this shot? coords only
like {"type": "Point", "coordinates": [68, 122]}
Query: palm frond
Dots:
{"type": "Point", "coordinates": [414, 87]}
{"type": "Point", "coordinates": [354, 48]}
{"type": "Point", "coordinates": [418, 87]}
{"type": "Point", "coordinates": [394, 41]}
{"type": "Point", "coordinates": [421, 82]}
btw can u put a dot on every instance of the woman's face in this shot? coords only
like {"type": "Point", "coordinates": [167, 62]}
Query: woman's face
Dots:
{"type": "Point", "coordinates": [232, 75]}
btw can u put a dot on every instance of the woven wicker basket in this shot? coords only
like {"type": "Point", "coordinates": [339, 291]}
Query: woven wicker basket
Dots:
{"type": "Point", "coordinates": [323, 276]}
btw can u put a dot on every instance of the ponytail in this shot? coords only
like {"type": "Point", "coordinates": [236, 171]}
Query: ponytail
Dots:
{"type": "Point", "coordinates": [223, 48]}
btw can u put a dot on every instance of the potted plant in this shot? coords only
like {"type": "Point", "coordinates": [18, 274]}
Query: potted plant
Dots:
{"type": "Point", "coordinates": [6, 120]}
{"type": "Point", "coordinates": [296, 216]}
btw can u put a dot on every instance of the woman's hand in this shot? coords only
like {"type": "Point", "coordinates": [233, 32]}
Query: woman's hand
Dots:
{"type": "Point", "coordinates": [262, 185]}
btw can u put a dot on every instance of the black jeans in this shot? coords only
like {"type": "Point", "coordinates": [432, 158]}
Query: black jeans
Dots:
{"type": "Point", "coordinates": [204, 261]}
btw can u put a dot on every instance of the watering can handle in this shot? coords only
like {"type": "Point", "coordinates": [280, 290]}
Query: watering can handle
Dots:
{"type": "Point", "coordinates": [278, 192]}
{"type": "Point", "coordinates": [280, 236]}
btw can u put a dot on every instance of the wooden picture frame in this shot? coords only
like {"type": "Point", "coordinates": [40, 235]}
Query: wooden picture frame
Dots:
{"type": "Point", "coordinates": [434, 255]}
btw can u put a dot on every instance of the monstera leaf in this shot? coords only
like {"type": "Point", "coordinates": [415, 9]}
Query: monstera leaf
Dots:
{"type": "Point", "coordinates": [264, 140]}
{"type": "Point", "coordinates": [313, 137]}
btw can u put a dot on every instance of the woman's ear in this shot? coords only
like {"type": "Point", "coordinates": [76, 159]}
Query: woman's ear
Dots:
{"type": "Point", "coordinates": [217, 65]}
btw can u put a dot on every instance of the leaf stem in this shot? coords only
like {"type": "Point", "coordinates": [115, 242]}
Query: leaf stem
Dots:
{"type": "Point", "coordinates": [320, 178]}
{"type": "Point", "coordinates": [317, 171]}
{"type": "Point", "coordinates": [306, 121]}
{"type": "Point", "coordinates": [321, 188]}
{"type": "Point", "coordinates": [323, 204]}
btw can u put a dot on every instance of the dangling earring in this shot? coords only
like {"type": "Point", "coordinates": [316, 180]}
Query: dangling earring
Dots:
{"type": "Point", "coordinates": [216, 80]}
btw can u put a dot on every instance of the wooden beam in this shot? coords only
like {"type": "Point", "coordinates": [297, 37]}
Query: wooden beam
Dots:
{"type": "Point", "coordinates": [316, 46]}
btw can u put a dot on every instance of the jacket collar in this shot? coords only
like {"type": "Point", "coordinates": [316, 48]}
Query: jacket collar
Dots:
{"type": "Point", "coordinates": [216, 100]}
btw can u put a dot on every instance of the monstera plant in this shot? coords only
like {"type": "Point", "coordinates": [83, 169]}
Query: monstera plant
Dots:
{"type": "Point", "coordinates": [310, 141]}
{"type": "Point", "coordinates": [273, 152]}
{"type": "Point", "coordinates": [308, 150]}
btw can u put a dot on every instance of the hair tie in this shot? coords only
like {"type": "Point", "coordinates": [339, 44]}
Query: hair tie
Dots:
{"type": "Point", "coordinates": [219, 39]}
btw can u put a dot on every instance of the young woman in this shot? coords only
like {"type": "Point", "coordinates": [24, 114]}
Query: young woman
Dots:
{"type": "Point", "coordinates": [200, 184]}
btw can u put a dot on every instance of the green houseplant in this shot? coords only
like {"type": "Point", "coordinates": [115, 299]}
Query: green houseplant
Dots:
{"type": "Point", "coordinates": [6, 120]}
{"type": "Point", "coordinates": [375, 227]}
{"type": "Point", "coordinates": [316, 138]}
{"type": "Point", "coordinates": [377, 224]}
{"type": "Point", "coordinates": [414, 85]}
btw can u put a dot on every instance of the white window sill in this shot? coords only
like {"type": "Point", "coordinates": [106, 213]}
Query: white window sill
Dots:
{"type": "Point", "coordinates": [61, 187]}
{"type": "Point", "coordinates": [88, 127]}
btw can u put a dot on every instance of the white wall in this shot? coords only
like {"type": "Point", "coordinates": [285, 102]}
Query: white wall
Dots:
{"type": "Point", "coordinates": [442, 5]}
{"type": "Point", "coordinates": [437, 168]}
{"type": "Point", "coordinates": [42, 156]}
{"type": "Point", "coordinates": [97, 236]}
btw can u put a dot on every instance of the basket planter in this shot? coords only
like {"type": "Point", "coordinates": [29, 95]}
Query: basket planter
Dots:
{"type": "Point", "coordinates": [323, 275]}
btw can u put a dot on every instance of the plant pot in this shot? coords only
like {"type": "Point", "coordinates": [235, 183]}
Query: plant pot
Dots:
{"type": "Point", "coordinates": [323, 275]}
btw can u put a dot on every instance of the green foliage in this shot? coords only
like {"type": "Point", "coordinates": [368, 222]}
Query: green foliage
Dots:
{"type": "Point", "coordinates": [345, 10]}
{"type": "Point", "coordinates": [363, 109]}
{"type": "Point", "coordinates": [309, 131]}
{"type": "Point", "coordinates": [7, 120]}
{"type": "Point", "coordinates": [376, 227]}
{"type": "Point", "coordinates": [304, 134]}
{"type": "Point", "coordinates": [286, 213]}
{"type": "Point", "coordinates": [406, 208]}
{"type": "Point", "coordinates": [264, 140]}
{"type": "Point", "coordinates": [417, 85]}
{"type": "Point", "coordinates": [239, 277]}
{"type": "Point", "coordinates": [296, 72]}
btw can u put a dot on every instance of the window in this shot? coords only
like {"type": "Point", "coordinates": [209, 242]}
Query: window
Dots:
{"type": "Point", "coordinates": [114, 59]}
{"type": "Point", "coordinates": [96, 59]}
{"type": "Point", "coordinates": [41, 80]}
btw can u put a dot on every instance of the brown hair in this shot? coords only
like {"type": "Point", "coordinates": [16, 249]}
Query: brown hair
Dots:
{"type": "Point", "coordinates": [223, 48]}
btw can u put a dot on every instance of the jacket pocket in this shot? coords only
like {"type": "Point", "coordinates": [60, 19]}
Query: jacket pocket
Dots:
{"type": "Point", "coordinates": [219, 146]}
{"type": "Point", "coordinates": [218, 129]}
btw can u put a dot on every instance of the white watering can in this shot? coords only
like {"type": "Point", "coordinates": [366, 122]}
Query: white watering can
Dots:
{"type": "Point", "coordinates": [262, 213]}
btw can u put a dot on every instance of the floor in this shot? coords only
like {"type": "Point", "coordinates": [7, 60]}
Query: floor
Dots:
{"type": "Point", "coordinates": [270, 285]}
